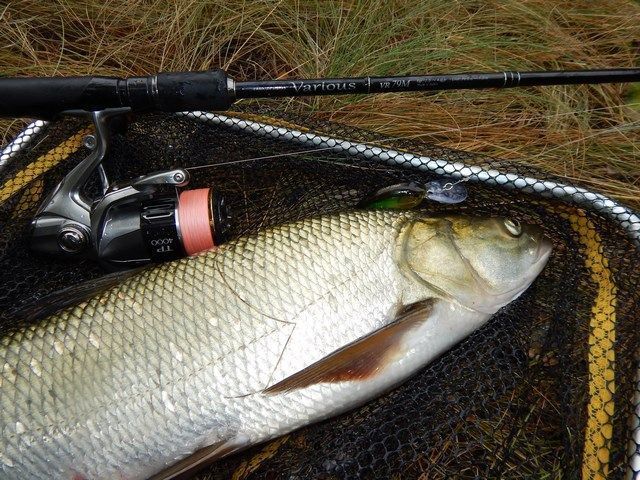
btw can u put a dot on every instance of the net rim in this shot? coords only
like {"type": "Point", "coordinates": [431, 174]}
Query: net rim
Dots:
{"type": "Point", "coordinates": [624, 217]}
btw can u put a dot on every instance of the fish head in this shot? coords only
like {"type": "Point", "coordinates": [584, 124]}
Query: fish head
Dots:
{"type": "Point", "coordinates": [482, 263]}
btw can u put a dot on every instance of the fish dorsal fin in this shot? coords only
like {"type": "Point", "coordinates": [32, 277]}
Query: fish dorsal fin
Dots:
{"type": "Point", "coordinates": [362, 358]}
{"type": "Point", "coordinates": [56, 301]}
{"type": "Point", "coordinates": [198, 460]}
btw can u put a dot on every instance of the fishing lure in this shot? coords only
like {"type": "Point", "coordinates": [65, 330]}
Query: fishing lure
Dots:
{"type": "Point", "coordinates": [410, 195]}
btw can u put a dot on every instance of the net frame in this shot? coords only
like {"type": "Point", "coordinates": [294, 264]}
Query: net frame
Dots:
{"type": "Point", "coordinates": [623, 217]}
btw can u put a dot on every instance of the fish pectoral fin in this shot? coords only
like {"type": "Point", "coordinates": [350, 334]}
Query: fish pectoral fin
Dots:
{"type": "Point", "coordinates": [198, 460]}
{"type": "Point", "coordinates": [363, 358]}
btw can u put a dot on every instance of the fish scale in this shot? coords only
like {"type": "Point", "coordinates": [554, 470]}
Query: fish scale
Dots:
{"type": "Point", "coordinates": [180, 356]}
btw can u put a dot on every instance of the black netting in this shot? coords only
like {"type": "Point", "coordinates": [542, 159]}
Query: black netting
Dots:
{"type": "Point", "coordinates": [544, 390]}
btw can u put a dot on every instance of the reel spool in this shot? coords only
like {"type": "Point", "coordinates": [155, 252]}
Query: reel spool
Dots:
{"type": "Point", "coordinates": [157, 227]}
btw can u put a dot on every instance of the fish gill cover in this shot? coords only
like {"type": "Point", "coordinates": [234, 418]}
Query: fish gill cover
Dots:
{"type": "Point", "coordinates": [544, 390]}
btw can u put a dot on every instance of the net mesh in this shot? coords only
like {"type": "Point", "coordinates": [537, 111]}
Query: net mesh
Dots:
{"type": "Point", "coordinates": [544, 390]}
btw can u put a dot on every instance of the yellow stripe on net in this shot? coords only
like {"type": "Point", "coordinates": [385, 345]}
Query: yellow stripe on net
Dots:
{"type": "Point", "coordinates": [41, 165]}
{"type": "Point", "coordinates": [601, 355]}
{"type": "Point", "coordinates": [248, 467]}
{"type": "Point", "coordinates": [29, 200]}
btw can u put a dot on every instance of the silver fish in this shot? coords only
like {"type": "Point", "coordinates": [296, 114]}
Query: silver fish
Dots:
{"type": "Point", "coordinates": [192, 360]}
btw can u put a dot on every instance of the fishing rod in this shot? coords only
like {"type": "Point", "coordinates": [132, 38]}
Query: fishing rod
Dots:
{"type": "Point", "coordinates": [215, 90]}
{"type": "Point", "coordinates": [149, 218]}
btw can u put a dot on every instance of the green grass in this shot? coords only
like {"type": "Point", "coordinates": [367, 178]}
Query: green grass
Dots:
{"type": "Point", "coordinates": [589, 134]}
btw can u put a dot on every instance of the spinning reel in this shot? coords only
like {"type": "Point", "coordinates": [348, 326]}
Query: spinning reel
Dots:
{"type": "Point", "coordinates": [146, 219]}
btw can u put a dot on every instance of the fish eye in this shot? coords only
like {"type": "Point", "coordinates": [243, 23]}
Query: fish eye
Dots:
{"type": "Point", "coordinates": [513, 226]}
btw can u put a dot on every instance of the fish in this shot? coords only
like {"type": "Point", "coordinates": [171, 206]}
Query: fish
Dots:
{"type": "Point", "coordinates": [162, 372]}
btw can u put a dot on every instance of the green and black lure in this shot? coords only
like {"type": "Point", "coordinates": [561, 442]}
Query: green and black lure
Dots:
{"type": "Point", "coordinates": [409, 195]}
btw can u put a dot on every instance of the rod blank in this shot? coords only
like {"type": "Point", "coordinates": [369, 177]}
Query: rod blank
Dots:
{"type": "Point", "coordinates": [425, 83]}
{"type": "Point", "coordinates": [214, 90]}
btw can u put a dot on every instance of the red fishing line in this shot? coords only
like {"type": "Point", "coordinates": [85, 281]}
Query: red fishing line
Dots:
{"type": "Point", "coordinates": [194, 214]}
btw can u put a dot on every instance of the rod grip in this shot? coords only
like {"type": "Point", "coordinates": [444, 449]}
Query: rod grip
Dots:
{"type": "Point", "coordinates": [165, 92]}
{"type": "Point", "coordinates": [46, 97]}
{"type": "Point", "coordinates": [207, 90]}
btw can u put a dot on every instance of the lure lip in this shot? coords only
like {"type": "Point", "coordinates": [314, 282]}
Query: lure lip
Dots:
{"type": "Point", "coordinates": [446, 190]}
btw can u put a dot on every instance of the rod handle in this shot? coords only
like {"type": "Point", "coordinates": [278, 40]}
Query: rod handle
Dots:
{"type": "Point", "coordinates": [165, 92]}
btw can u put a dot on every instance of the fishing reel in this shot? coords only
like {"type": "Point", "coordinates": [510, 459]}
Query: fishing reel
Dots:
{"type": "Point", "coordinates": [146, 219]}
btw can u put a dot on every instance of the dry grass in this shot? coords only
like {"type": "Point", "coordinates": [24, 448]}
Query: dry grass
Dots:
{"type": "Point", "coordinates": [586, 133]}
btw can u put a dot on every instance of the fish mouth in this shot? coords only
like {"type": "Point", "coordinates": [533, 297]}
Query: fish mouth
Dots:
{"type": "Point", "coordinates": [543, 248]}
{"type": "Point", "coordinates": [542, 254]}
{"type": "Point", "coordinates": [544, 245]}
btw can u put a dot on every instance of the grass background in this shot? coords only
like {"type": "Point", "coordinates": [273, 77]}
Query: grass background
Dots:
{"type": "Point", "coordinates": [589, 134]}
